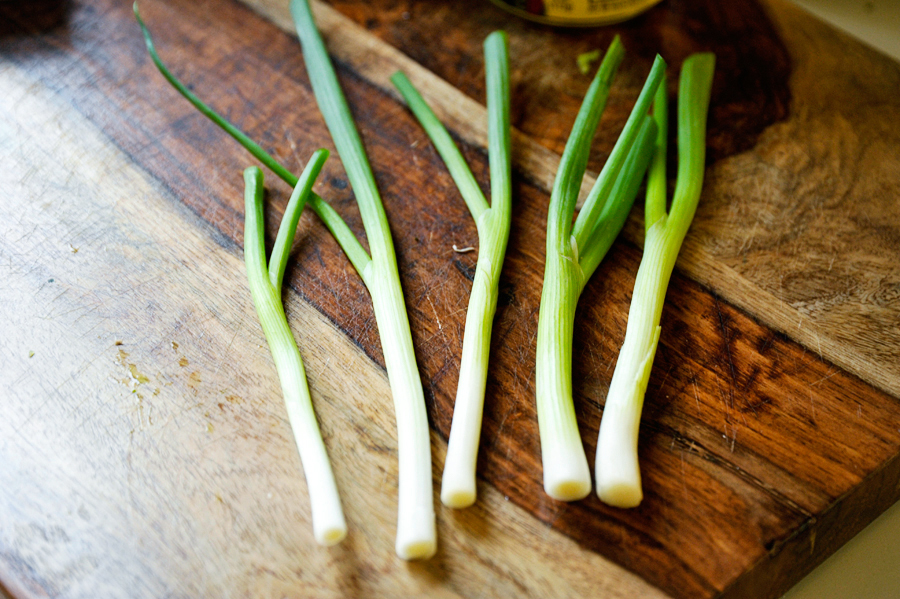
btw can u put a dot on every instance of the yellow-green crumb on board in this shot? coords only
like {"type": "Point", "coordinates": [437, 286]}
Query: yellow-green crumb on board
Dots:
{"type": "Point", "coordinates": [585, 60]}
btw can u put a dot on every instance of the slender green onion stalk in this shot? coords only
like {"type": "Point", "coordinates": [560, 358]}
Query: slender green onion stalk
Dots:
{"type": "Point", "coordinates": [329, 526]}
{"type": "Point", "coordinates": [617, 471]}
{"type": "Point", "coordinates": [416, 533]}
{"type": "Point", "coordinates": [265, 282]}
{"type": "Point", "coordinates": [493, 222]}
{"type": "Point", "coordinates": [573, 254]}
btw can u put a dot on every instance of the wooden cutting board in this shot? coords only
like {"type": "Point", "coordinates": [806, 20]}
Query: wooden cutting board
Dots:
{"type": "Point", "coordinates": [144, 448]}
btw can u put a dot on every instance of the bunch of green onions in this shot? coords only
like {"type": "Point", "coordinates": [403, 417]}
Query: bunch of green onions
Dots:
{"type": "Point", "coordinates": [574, 251]}
{"type": "Point", "coordinates": [492, 222]}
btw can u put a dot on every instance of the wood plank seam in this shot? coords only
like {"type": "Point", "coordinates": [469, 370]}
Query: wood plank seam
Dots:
{"type": "Point", "coordinates": [712, 457]}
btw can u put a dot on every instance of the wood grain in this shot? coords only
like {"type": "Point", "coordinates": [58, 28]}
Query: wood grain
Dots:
{"type": "Point", "coordinates": [758, 451]}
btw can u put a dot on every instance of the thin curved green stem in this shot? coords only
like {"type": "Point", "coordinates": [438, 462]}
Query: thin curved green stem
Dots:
{"type": "Point", "coordinates": [573, 163]}
{"type": "Point", "coordinates": [443, 143]}
{"type": "Point", "coordinates": [288, 227]}
{"type": "Point", "coordinates": [332, 220]}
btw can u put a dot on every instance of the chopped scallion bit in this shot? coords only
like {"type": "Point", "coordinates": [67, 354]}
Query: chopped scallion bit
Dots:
{"type": "Point", "coordinates": [586, 59]}
{"type": "Point", "coordinates": [573, 254]}
{"type": "Point", "coordinates": [617, 472]}
{"type": "Point", "coordinates": [492, 222]}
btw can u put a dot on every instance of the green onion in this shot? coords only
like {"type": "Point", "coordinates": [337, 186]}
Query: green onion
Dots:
{"type": "Point", "coordinates": [416, 533]}
{"type": "Point", "coordinates": [327, 516]}
{"type": "Point", "coordinates": [573, 254]}
{"type": "Point", "coordinates": [617, 471]}
{"type": "Point", "coordinates": [265, 282]}
{"type": "Point", "coordinates": [493, 222]}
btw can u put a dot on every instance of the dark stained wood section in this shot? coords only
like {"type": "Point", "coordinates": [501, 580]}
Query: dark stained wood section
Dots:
{"type": "Point", "coordinates": [759, 456]}
{"type": "Point", "coordinates": [751, 90]}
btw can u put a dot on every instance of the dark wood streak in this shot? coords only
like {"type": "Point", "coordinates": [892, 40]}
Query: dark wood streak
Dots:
{"type": "Point", "coordinates": [37, 16]}
{"type": "Point", "coordinates": [753, 66]}
{"type": "Point", "coordinates": [742, 447]}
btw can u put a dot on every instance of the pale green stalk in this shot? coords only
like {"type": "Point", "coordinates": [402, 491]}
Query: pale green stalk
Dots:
{"type": "Point", "coordinates": [573, 253]}
{"type": "Point", "coordinates": [288, 227]}
{"type": "Point", "coordinates": [329, 526]}
{"type": "Point", "coordinates": [617, 471]}
{"type": "Point", "coordinates": [265, 287]}
{"type": "Point", "coordinates": [493, 223]}
{"type": "Point", "coordinates": [416, 532]}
